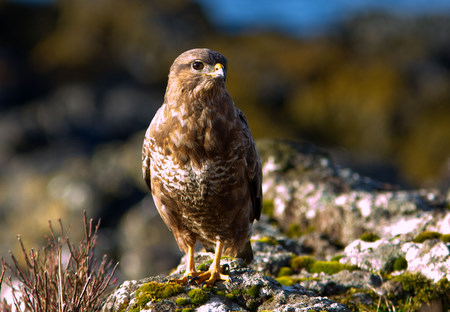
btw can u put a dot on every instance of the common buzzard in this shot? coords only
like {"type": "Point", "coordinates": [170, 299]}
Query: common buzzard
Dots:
{"type": "Point", "coordinates": [200, 162]}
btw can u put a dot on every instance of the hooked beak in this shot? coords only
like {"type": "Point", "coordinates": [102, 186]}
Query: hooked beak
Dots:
{"type": "Point", "coordinates": [219, 71]}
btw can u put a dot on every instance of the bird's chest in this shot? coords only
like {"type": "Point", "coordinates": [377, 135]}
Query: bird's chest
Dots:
{"type": "Point", "coordinates": [197, 184]}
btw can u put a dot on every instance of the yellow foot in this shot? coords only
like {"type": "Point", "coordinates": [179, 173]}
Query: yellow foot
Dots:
{"type": "Point", "coordinates": [208, 278]}
{"type": "Point", "coordinates": [188, 278]}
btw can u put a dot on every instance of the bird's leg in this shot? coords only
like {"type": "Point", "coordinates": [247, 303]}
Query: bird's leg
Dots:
{"type": "Point", "coordinates": [214, 273]}
{"type": "Point", "coordinates": [190, 266]}
{"type": "Point", "coordinates": [190, 274]}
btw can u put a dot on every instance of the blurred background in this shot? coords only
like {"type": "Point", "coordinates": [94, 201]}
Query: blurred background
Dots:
{"type": "Point", "coordinates": [80, 80]}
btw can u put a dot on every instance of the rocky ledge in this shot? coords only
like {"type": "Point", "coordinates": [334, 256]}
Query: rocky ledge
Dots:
{"type": "Point", "coordinates": [329, 240]}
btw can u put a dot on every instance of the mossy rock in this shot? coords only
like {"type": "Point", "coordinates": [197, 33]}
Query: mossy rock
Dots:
{"type": "Point", "coordinates": [234, 294]}
{"type": "Point", "coordinates": [369, 237]}
{"type": "Point", "coordinates": [400, 264]}
{"type": "Point", "coordinates": [205, 265]}
{"type": "Point", "coordinates": [312, 266]}
{"type": "Point", "coordinates": [285, 271]}
{"type": "Point", "coordinates": [294, 230]}
{"type": "Point", "coordinates": [445, 238]}
{"type": "Point", "coordinates": [153, 292]}
{"type": "Point", "coordinates": [301, 262]}
{"type": "Point", "coordinates": [198, 296]}
{"type": "Point", "coordinates": [253, 291]}
{"type": "Point", "coordinates": [419, 290]}
{"type": "Point", "coordinates": [268, 240]}
{"type": "Point", "coordinates": [351, 300]}
{"type": "Point", "coordinates": [426, 236]}
{"type": "Point", "coordinates": [337, 258]}
{"type": "Point", "coordinates": [330, 267]}
{"type": "Point", "coordinates": [285, 280]}
{"type": "Point", "coordinates": [182, 301]}
{"type": "Point", "coordinates": [267, 207]}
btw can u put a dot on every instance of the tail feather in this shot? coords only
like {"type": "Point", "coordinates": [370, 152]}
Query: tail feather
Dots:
{"type": "Point", "coordinates": [246, 253]}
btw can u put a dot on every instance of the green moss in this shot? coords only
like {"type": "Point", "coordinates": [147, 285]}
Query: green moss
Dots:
{"type": "Point", "coordinates": [445, 238]}
{"type": "Point", "coordinates": [253, 291]}
{"type": "Point", "coordinates": [420, 290]}
{"type": "Point", "coordinates": [230, 296]}
{"type": "Point", "coordinates": [198, 296]}
{"type": "Point", "coordinates": [154, 291]}
{"type": "Point", "coordinates": [348, 298]}
{"type": "Point", "coordinates": [267, 207]}
{"type": "Point", "coordinates": [330, 267]}
{"type": "Point", "coordinates": [220, 293]}
{"type": "Point", "coordinates": [400, 264]}
{"type": "Point", "coordinates": [337, 258]}
{"type": "Point", "coordinates": [425, 236]}
{"type": "Point", "coordinates": [205, 265]}
{"type": "Point", "coordinates": [304, 279]}
{"type": "Point", "coordinates": [417, 290]}
{"type": "Point", "coordinates": [369, 237]}
{"type": "Point", "coordinates": [286, 280]}
{"type": "Point", "coordinates": [240, 295]}
{"type": "Point", "coordinates": [301, 262]}
{"type": "Point", "coordinates": [268, 240]}
{"type": "Point", "coordinates": [285, 271]}
{"type": "Point", "coordinates": [312, 266]}
{"type": "Point", "coordinates": [188, 310]}
{"type": "Point", "coordinates": [294, 230]}
{"type": "Point", "coordinates": [182, 301]}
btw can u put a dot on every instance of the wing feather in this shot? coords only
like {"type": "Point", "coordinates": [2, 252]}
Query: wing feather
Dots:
{"type": "Point", "coordinates": [146, 160]}
{"type": "Point", "coordinates": [254, 170]}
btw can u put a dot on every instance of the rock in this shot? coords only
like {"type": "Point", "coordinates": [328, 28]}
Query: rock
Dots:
{"type": "Point", "coordinates": [257, 287]}
{"type": "Point", "coordinates": [342, 281]}
{"type": "Point", "coordinates": [308, 192]}
{"type": "Point", "coordinates": [376, 256]}
{"type": "Point", "coordinates": [431, 258]}
{"type": "Point", "coordinates": [248, 291]}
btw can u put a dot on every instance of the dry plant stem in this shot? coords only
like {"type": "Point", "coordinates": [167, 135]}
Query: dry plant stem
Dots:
{"type": "Point", "coordinates": [60, 286]}
{"type": "Point", "coordinates": [50, 282]}
{"type": "Point", "coordinates": [3, 304]}
{"type": "Point", "coordinates": [2, 275]}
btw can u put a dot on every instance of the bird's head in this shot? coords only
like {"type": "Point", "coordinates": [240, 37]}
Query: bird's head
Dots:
{"type": "Point", "coordinates": [198, 71]}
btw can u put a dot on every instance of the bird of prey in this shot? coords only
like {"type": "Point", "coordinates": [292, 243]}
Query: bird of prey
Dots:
{"type": "Point", "coordinates": [201, 165]}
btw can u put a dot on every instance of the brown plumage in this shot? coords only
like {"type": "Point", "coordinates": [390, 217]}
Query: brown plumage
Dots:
{"type": "Point", "coordinates": [200, 162]}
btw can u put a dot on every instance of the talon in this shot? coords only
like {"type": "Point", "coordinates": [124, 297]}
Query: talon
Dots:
{"type": "Point", "coordinates": [191, 279]}
{"type": "Point", "coordinates": [226, 268]}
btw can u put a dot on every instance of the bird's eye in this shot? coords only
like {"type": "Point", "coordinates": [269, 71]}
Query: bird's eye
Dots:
{"type": "Point", "coordinates": [197, 65]}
